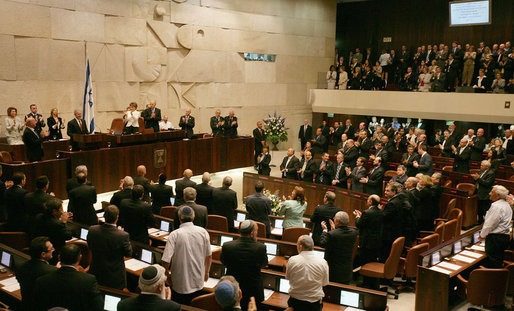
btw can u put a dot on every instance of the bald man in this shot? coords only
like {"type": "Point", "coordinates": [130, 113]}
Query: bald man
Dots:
{"type": "Point", "coordinates": [182, 184]}
{"type": "Point", "coordinates": [462, 155]}
{"type": "Point", "coordinates": [231, 125]}
{"type": "Point", "coordinates": [152, 116]}
{"type": "Point", "coordinates": [140, 179]}
{"type": "Point", "coordinates": [225, 202]}
{"type": "Point", "coordinates": [187, 123]}
{"type": "Point", "coordinates": [290, 165]}
{"type": "Point", "coordinates": [33, 141]}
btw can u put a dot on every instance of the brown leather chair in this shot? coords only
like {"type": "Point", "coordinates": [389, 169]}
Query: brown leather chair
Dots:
{"type": "Point", "coordinates": [439, 230]}
{"type": "Point", "coordinates": [511, 178]}
{"type": "Point", "coordinates": [510, 288]}
{"type": "Point", "coordinates": [216, 222]}
{"type": "Point", "coordinates": [261, 229]}
{"type": "Point", "coordinates": [486, 287]}
{"type": "Point", "coordinates": [432, 240]}
{"type": "Point", "coordinates": [390, 173]}
{"type": "Point", "coordinates": [117, 125]}
{"type": "Point", "coordinates": [470, 188]}
{"type": "Point", "coordinates": [456, 213]}
{"type": "Point", "coordinates": [291, 235]}
{"type": "Point", "coordinates": [16, 240]}
{"type": "Point", "coordinates": [5, 157]}
{"type": "Point", "coordinates": [408, 266]}
{"type": "Point", "coordinates": [85, 261]}
{"type": "Point", "coordinates": [168, 211]}
{"type": "Point", "coordinates": [206, 302]}
{"type": "Point", "coordinates": [450, 230]}
{"type": "Point", "coordinates": [448, 184]}
{"type": "Point", "coordinates": [141, 123]}
{"type": "Point", "coordinates": [388, 269]}
{"type": "Point", "coordinates": [448, 168]}
{"type": "Point", "coordinates": [148, 131]}
{"type": "Point", "coordinates": [206, 135]}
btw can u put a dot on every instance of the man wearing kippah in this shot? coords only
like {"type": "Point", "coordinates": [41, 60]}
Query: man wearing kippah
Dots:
{"type": "Point", "coordinates": [228, 294]}
{"type": "Point", "coordinates": [155, 295]}
{"type": "Point", "coordinates": [188, 250]}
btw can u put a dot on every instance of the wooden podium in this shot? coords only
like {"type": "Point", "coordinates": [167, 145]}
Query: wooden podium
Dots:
{"type": "Point", "coordinates": [89, 141]}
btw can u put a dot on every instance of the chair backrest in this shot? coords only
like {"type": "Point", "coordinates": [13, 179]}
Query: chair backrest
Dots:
{"type": "Point", "coordinates": [355, 248]}
{"type": "Point", "coordinates": [391, 264]}
{"type": "Point", "coordinates": [206, 135]}
{"type": "Point", "coordinates": [117, 125]}
{"type": "Point", "coordinates": [217, 222]}
{"type": "Point", "coordinates": [432, 240]}
{"type": "Point", "coordinates": [450, 230]}
{"type": "Point", "coordinates": [474, 171]}
{"type": "Point", "coordinates": [291, 235]}
{"type": "Point", "coordinates": [487, 287]}
{"type": "Point", "coordinates": [206, 302]}
{"type": "Point", "coordinates": [5, 157]}
{"type": "Point", "coordinates": [141, 123]}
{"type": "Point", "coordinates": [148, 131]}
{"type": "Point", "coordinates": [510, 288]}
{"type": "Point", "coordinates": [448, 168]}
{"type": "Point", "coordinates": [261, 232]}
{"type": "Point", "coordinates": [456, 213]}
{"type": "Point", "coordinates": [411, 261]}
{"type": "Point", "coordinates": [16, 240]}
{"type": "Point", "coordinates": [85, 261]}
{"type": "Point", "coordinates": [448, 184]}
{"type": "Point", "coordinates": [511, 178]}
{"type": "Point", "coordinates": [390, 173]}
{"type": "Point", "coordinates": [470, 188]}
{"type": "Point", "coordinates": [440, 230]}
{"type": "Point", "coordinates": [168, 211]}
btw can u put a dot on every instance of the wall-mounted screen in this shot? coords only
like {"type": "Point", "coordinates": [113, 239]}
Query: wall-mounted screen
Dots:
{"type": "Point", "coordinates": [467, 13]}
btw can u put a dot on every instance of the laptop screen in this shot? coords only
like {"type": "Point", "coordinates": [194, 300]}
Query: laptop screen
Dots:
{"type": "Point", "coordinates": [283, 286]}
{"type": "Point", "coordinates": [457, 247]}
{"type": "Point", "coordinates": [436, 258]}
{"type": "Point", "coordinates": [6, 259]}
{"type": "Point", "coordinates": [111, 303]}
{"type": "Point", "coordinates": [350, 299]}
{"type": "Point", "coordinates": [83, 233]}
{"type": "Point", "coordinates": [271, 248]}
{"type": "Point", "coordinates": [278, 223]}
{"type": "Point", "coordinates": [241, 217]}
{"type": "Point", "coordinates": [146, 256]}
{"type": "Point", "coordinates": [476, 237]}
{"type": "Point", "coordinates": [165, 226]}
{"type": "Point", "coordinates": [172, 201]}
{"type": "Point", "coordinates": [320, 254]}
{"type": "Point", "coordinates": [225, 238]}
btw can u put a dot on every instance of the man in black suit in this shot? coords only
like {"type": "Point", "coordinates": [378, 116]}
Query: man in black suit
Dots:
{"type": "Point", "coordinates": [424, 165]}
{"type": "Point", "coordinates": [340, 178]}
{"type": "Point", "coordinates": [401, 175]}
{"type": "Point", "coordinates": [187, 123]}
{"type": "Point", "coordinates": [14, 199]}
{"type": "Point", "coordinates": [260, 140]}
{"type": "Point", "coordinates": [136, 216]}
{"type": "Point", "coordinates": [484, 181]}
{"type": "Point", "coordinates": [67, 287]}
{"type": "Point", "coordinates": [244, 258]}
{"type": "Point", "coordinates": [161, 194]}
{"type": "Point", "coordinates": [263, 162]}
{"type": "Point", "coordinates": [338, 244]}
{"type": "Point", "coordinates": [33, 141]}
{"type": "Point", "coordinates": [364, 144]}
{"type": "Point", "coordinates": [155, 295]}
{"type": "Point", "coordinates": [322, 213]}
{"type": "Point", "coordinates": [461, 155]}
{"type": "Point", "coordinates": [140, 179]}
{"type": "Point", "coordinates": [438, 81]}
{"type": "Point", "coordinates": [318, 142]}
{"type": "Point", "coordinates": [204, 192]}
{"type": "Point", "coordinates": [76, 126]}
{"type": "Point", "coordinates": [126, 186]}
{"type": "Point", "coordinates": [201, 212]}
{"type": "Point", "coordinates": [40, 121]}
{"type": "Point", "coordinates": [508, 142]}
{"type": "Point", "coordinates": [289, 166]}
{"type": "Point", "coordinates": [217, 124]}
{"type": "Point", "coordinates": [370, 223]}
{"type": "Point", "coordinates": [41, 251]}
{"type": "Point", "coordinates": [231, 125]}
{"type": "Point", "coordinates": [393, 218]}
{"type": "Point", "coordinates": [182, 184]}
{"type": "Point", "coordinates": [337, 133]}
{"type": "Point", "coordinates": [375, 179]}
{"type": "Point", "coordinates": [35, 201]}
{"type": "Point", "coordinates": [446, 145]}
{"type": "Point", "coordinates": [258, 207]}
{"type": "Point", "coordinates": [325, 129]}
{"type": "Point", "coordinates": [225, 202]}
{"type": "Point", "coordinates": [81, 202]}
{"type": "Point", "coordinates": [152, 116]}
{"type": "Point", "coordinates": [477, 145]}
{"type": "Point", "coordinates": [381, 152]}
{"type": "Point", "coordinates": [72, 183]}
{"type": "Point", "coordinates": [348, 129]}
{"type": "Point", "coordinates": [357, 174]}
{"type": "Point", "coordinates": [350, 154]}
{"type": "Point", "coordinates": [307, 168]}
{"type": "Point", "coordinates": [109, 245]}
{"type": "Point", "coordinates": [325, 170]}
{"type": "Point", "coordinates": [305, 133]}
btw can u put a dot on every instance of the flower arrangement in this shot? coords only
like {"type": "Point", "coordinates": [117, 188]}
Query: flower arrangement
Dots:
{"type": "Point", "coordinates": [275, 128]}
{"type": "Point", "coordinates": [276, 203]}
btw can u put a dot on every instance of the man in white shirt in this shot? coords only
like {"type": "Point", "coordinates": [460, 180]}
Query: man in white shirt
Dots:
{"type": "Point", "coordinates": [189, 251]}
{"type": "Point", "coordinates": [164, 124]}
{"type": "Point", "coordinates": [307, 274]}
{"type": "Point", "coordinates": [496, 227]}
{"type": "Point", "coordinates": [471, 134]}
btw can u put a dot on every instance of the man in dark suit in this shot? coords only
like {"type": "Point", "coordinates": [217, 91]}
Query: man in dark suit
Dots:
{"type": "Point", "coordinates": [72, 183]}
{"type": "Point", "coordinates": [393, 218]}
{"type": "Point", "coordinates": [231, 125]}
{"type": "Point", "coordinates": [370, 223]}
{"type": "Point", "coordinates": [127, 184]}
{"type": "Point", "coordinates": [187, 123]}
{"type": "Point", "coordinates": [325, 129]}
{"type": "Point", "coordinates": [318, 142]}
{"type": "Point", "coordinates": [260, 140]}
{"type": "Point", "coordinates": [33, 141]}
{"type": "Point", "coordinates": [201, 212]}
{"type": "Point", "coordinates": [446, 145]}
{"type": "Point", "coordinates": [357, 174]}
{"type": "Point", "coordinates": [76, 126]}
{"type": "Point", "coordinates": [136, 216]}
{"type": "Point", "coordinates": [40, 121]}
{"type": "Point", "coordinates": [263, 162]}
{"type": "Point", "coordinates": [461, 155]}
{"type": "Point", "coordinates": [67, 287]}
{"type": "Point", "coordinates": [152, 116]}
{"type": "Point", "coordinates": [182, 184]}
{"type": "Point", "coordinates": [381, 152]}
{"type": "Point", "coordinates": [375, 179]}
{"type": "Point", "coordinates": [289, 166]}
{"type": "Point", "coordinates": [364, 144]}
{"type": "Point", "coordinates": [152, 283]}
{"type": "Point", "coordinates": [140, 179]}
{"type": "Point", "coordinates": [109, 245]}
{"type": "Point", "coordinates": [161, 194]}
{"type": "Point", "coordinates": [350, 154]}
{"type": "Point", "coordinates": [305, 133]}
{"type": "Point", "coordinates": [338, 242]}
{"type": "Point", "coordinates": [424, 165]}
{"type": "Point", "coordinates": [41, 251]}
{"type": "Point", "coordinates": [477, 145]}
{"type": "Point", "coordinates": [225, 202]}
{"type": "Point", "coordinates": [217, 124]}
{"type": "Point", "coordinates": [401, 175]}
{"type": "Point", "coordinates": [348, 129]}
{"type": "Point", "coordinates": [14, 199]}
{"type": "Point", "coordinates": [35, 201]}
{"type": "Point", "coordinates": [259, 207]}
{"type": "Point", "coordinates": [340, 178]}
{"type": "Point", "coordinates": [81, 202]}
{"type": "Point", "coordinates": [325, 170]}
{"type": "Point", "coordinates": [307, 168]}
{"type": "Point", "coordinates": [484, 181]}
{"type": "Point", "coordinates": [244, 258]}
{"type": "Point", "coordinates": [204, 192]}
{"type": "Point", "coordinates": [322, 213]}
{"type": "Point", "coordinates": [438, 80]}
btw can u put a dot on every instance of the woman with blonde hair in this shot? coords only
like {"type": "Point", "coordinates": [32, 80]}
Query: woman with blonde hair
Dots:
{"type": "Point", "coordinates": [426, 210]}
{"type": "Point", "coordinates": [293, 208]}
{"type": "Point", "coordinates": [13, 127]}
{"type": "Point", "coordinates": [55, 125]}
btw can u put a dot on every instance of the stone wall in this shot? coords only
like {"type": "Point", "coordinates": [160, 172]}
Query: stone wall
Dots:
{"type": "Point", "coordinates": [182, 53]}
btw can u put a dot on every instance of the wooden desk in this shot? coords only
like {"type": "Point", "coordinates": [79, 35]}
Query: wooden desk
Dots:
{"type": "Point", "coordinates": [49, 147]}
{"type": "Point", "coordinates": [89, 141]}
{"type": "Point", "coordinates": [143, 138]}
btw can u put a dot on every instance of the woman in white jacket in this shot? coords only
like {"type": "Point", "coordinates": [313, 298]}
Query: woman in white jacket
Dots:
{"type": "Point", "coordinates": [343, 78]}
{"type": "Point", "coordinates": [331, 78]}
{"type": "Point", "coordinates": [132, 119]}
{"type": "Point", "coordinates": [424, 80]}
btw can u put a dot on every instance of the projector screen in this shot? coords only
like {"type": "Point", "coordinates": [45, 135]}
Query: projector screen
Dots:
{"type": "Point", "coordinates": [467, 13]}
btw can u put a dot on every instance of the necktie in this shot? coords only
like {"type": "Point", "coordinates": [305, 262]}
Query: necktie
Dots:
{"type": "Point", "coordinates": [338, 170]}
{"type": "Point", "coordinates": [80, 124]}
{"type": "Point", "coordinates": [260, 132]}
{"type": "Point", "coordinates": [287, 163]}
{"type": "Point", "coordinates": [303, 167]}
{"type": "Point", "coordinates": [321, 175]}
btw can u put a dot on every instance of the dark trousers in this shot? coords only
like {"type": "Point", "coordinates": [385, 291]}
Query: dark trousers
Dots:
{"type": "Point", "coordinates": [131, 129]}
{"type": "Point", "coordinates": [495, 245]}
{"type": "Point", "coordinates": [300, 305]}
{"type": "Point", "coordinates": [258, 152]}
{"type": "Point", "coordinates": [483, 207]}
{"type": "Point", "coordinates": [184, 299]}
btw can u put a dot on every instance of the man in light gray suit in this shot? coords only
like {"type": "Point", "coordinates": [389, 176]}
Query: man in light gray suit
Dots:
{"type": "Point", "coordinates": [356, 174]}
{"type": "Point", "coordinates": [425, 161]}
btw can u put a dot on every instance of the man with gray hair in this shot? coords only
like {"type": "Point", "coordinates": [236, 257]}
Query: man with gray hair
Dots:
{"type": "Point", "coordinates": [76, 125]}
{"type": "Point", "coordinates": [201, 213]}
{"type": "Point", "coordinates": [155, 295]}
{"type": "Point", "coordinates": [338, 241]}
{"type": "Point", "coordinates": [496, 227]}
{"type": "Point", "coordinates": [72, 183]}
{"type": "Point", "coordinates": [182, 184]}
{"type": "Point", "coordinates": [484, 181]}
{"type": "Point", "coordinates": [307, 274]}
{"type": "Point", "coordinates": [225, 202]}
{"type": "Point", "coordinates": [126, 185]}
{"type": "Point", "coordinates": [204, 192]}
{"type": "Point", "coordinates": [322, 213]}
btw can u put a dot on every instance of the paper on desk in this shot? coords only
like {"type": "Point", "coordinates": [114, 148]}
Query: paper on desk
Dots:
{"type": "Point", "coordinates": [463, 258]}
{"type": "Point", "coordinates": [100, 215]}
{"type": "Point", "coordinates": [135, 265]}
{"type": "Point", "coordinates": [448, 265]}
{"type": "Point", "coordinates": [236, 224]}
{"type": "Point", "coordinates": [160, 233]}
{"type": "Point", "coordinates": [12, 288]}
{"type": "Point", "coordinates": [214, 248]}
{"type": "Point", "coordinates": [470, 254]}
{"type": "Point", "coordinates": [270, 258]}
{"type": "Point", "coordinates": [478, 248]}
{"type": "Point", "coordinates": [9, 281]}
{"type": "Point", "coordinates": [277, 231]}
{"type": "Point", "coordinates": [211, 283]}
{"type": "Point", "coordinates": [267, 293]}
{"type": "Point", "coordinates": [436, 268]}
{"type": "Point", "coordinates": [152, 230]}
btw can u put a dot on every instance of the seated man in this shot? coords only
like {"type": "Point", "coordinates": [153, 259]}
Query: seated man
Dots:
{"type": "Point", "coordinates": [401, 175]}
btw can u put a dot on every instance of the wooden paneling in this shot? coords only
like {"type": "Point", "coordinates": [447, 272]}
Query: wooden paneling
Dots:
{"type": "Point", "coordinates": [49, 147]}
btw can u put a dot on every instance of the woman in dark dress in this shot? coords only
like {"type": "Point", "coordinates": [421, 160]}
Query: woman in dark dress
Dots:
{"type": "Point", "coordinates": [55, 125]}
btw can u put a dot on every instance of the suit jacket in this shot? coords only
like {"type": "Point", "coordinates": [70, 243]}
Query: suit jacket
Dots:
{"type": "Point", "coordinates": [75, 128]}
{"type": "Point", "coordinates": [180, 185]}
{"type": "Point", "coordinates": [244, 259]}
{"type": "Point", "coordinates": [336, 136]}
{"type": "Point", "coordinates": [484, 184]}
{"type": "Point", "coordinates": [37, 117]}
{"type": "Point", "coordinates": [259, 209]}
{"type": "Point", "coordinates": [350, 156]}
{"type": "Point", "coordinates": [187, 126]}
{"type": "Point", "coordinates": [81, 203]}
{"type": "Point", "coordinates": [400, 179]}
{"type": "Point", "coordinates": [33, 145]}
{"type": "Point", "coordinates": [35, 202]}
{"type": "Point", "coordinates": [145, 302]}
{"type": "Point", "coordinates": [375, 180]}
{"type": "Point", "coordinates": [201, 215]}
{"type": "Point", "coordinates": [310, 170]}
{"type": "Point", "coordinates": [72, 183]}
{"type": "Point", "coordinates": [27, 274]}
{"type": "Point", "coordinates": [204, 195]}
{"type": "Point", "coordinates": [447, 148]}
{"type": "Point", "coordinates": [318, 146]}
{"type": "Point", "coordinates": [161, 195]}
{"type": "Point", "coordinates": [348, 131]}
{"type": "Point", "coordinates": [258, 136]}
{"type": "Point", "coordinates": [461, 161]}
{"type": "Point", "coordinates": [477, 148]}
{"type": "Point", "coordinates": [55, 133]}
{"type": "Point", "coordinates": [305, 135]}
{"type": "Point", "coordinates": [225, 204]}
{"type": "Point", "coordinates": [364, 147]}
{"type": "Point", "coordinates": [356, 174]}
{"type": "Point", "coordinates": [135, 217]}
{"type": "Point", "coordinates": [292, 167]}
{"type": "Point", "coordinates": [231, 130]}
{"type": "Point", "coordinates": [217, 129]}
{"type": "Point", "coordinates": [263, 165]}
{"type": "Point", "coordinates": [370, 228]}
{"type": "Point", "coordinates": [57, 231]}
{"type": "Point", "coordinates": [149, 121]}
{"type": "Point", "coordinates": [14, 200]}
{"type": "Point", "coordinates": [326, 175]}
{"type": "Point", "coordinates": [322, 213]}
{"type": "Point", "coordinates": [338, 244]}
{"type": "Point", "coordinates": [120, 195]}
{"type": "Point", "coordinates": [383, 154]}
{"type": "Point", "coordinates": [70, 289]}
{"type": "Point", "coordinates": [393, 220]}
{"type": "Point", "coordinates": [425, 164]}
{"type": "Point", "coordinates": [425, 209]}
{"type": "Point", "coordinates": [145, 182]}
{"type": "Point", "coordinates": [438, 84]}
{"type": "Point", "coordinates": [341, 177]}
{"type": "Point", "coordinates": [108, 247]}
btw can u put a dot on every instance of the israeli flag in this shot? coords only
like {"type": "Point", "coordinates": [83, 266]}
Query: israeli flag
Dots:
{"type": "Point", "coordinates": [88, 109]}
